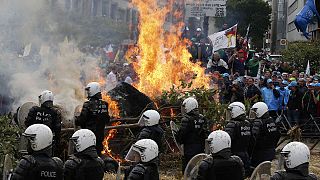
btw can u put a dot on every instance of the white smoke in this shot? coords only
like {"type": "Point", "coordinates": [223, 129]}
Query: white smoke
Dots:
{"type": "Point", "coordinates": [55, 66]}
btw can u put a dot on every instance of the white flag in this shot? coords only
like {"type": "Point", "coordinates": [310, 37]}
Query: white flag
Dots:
{"type": "Point", "coordinates": [308, 69]}
{"type": "Point", "coordinates": [224, 39]}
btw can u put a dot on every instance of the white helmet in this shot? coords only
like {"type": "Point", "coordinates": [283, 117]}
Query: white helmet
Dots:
{"type": "Point", "coordinates": [83, 139]}
{"type": "Point", "coordinates": [218, 140]}
{"type": "Point", "coordinates": [45, 96]}
{"type": "Point", "coordinates": [92, 89]}
{"type": "Point", "coordinates": [236, 109]}
{"type": "Point", "coordinates": [39, 135]}
{"type": "Point", "coordinates": [296, 153]}
{"type": "Point", "coordinates": [149, 118]}
{"type": "Point", "coordinates": [258, 110]}
{"type": "Point", "coordinates": [189, 104]}
{"type": "Point", "coordinates": [143, 150]}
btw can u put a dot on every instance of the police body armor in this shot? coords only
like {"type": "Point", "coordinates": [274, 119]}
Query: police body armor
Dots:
{"type": "Point", "coordinates": [144, 171]}
{"type": "Point", "coordinates": [84, 168]}
{"type": "Point", "coordinates": [221, 168]}
{"type": "Point", "coordinates": [94, 116]}
{"type": "Point", "coordinates": [38, 167]}
{"type": "Point", "coordinates": [152, 132]}
{"type": "Point", "coordinates": [266, 132]}
{"type": "Point", "coordinates": [283, 175]}
{"type": "Point", "coordinates": [44, 115]}
{"type": "Point", "coordinates": [240, 133]}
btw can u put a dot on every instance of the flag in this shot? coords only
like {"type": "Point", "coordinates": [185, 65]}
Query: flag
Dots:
{"type": "Point", "coordinates": [305, 16]}
{"type": "Point", "coordinates": [308, 69]}
{"type": "Point", "coordinates": [248, 30]}
{"type": "Point", "coordinates": [224, 39]}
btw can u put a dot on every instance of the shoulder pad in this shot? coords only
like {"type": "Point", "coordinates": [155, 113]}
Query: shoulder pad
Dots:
{"type": "Point", "coordinates": [58, 161]}
{"type": "Point", "coordinates": [29, 158]}
{"type": "Point", "coordinates": [278, 175]}
{"type": "Point", "coordinates": [313, 176]}
{"type": "Point", "coordinates": [86, 104]}
{"type": "Point", "coordinates": [206, 163]}
{"type": "Point", "coordinates": [258, 122]}
{"type": "Point", "coordinates": [75, 159]}
{"type": "Point", "coordinates": [101, 162]}
{"type": "Point", "coordinates": [139, 169]}
{"type": "Point", "coordinates": [231, 124]}
{"type": "Point", "coordinates": [237, 159]}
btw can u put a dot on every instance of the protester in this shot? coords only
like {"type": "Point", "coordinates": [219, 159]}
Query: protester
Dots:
{"type": "Point", "coordinates": [236, 65]}
{"type": "Point", "coordinates": [85, 163]}
{"type": "Point", "coordinates": [252, 93]}
{"type": "Point", "coordinates": [220, 165]}
{"type": "Point", "coordinates": [271, 96]}
{"type": "Point", "coordinates": [217, 64]}
{"type": "Point", "coordinates": [310, 101]}
{"type": "Point", "coordinates": [94, 114]}
{"type": "Point", "coordinates": [235, 92]}
{"type": "Point", "coordinates": [39, 163]}
{"type": "Point", "coordinates": [294, 103]}
{"type": "Point", "coordinates": [284, 96]}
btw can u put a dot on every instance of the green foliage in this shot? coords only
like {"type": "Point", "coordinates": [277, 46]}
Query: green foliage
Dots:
{"type": "Point", "coordinates": [298, 53]}
{"type": "Point", "coordinates": [9, 139]}
{"type": "Point", "coordinates": [244, 12]}
{"type": "Point", "coordinates": [208, 106]}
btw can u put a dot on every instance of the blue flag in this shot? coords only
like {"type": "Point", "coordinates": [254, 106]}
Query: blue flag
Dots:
{"type": "Point", "coordinates": [305, 16]}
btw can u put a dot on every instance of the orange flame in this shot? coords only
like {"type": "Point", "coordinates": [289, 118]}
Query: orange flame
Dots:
{"type": "Point", "coordinates": [171, 113]}
{"type": "Point", "coordinates": [163, 59]}
{"type": "Point", "coordinates": [114, 111]}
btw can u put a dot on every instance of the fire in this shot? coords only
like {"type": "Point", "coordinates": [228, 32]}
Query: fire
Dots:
{"type": "Point", "coordinates": [163, 59]}
{"type": "Point", "coordinates": [113, 112]}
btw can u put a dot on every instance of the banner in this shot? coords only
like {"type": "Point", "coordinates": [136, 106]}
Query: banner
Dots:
{"type": "Point", "coordinates": [224, 39]}
{"type": "Point", "coordinates": [201, 8]}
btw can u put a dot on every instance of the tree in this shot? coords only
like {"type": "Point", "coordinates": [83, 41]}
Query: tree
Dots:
{"type": "Point", "coordinates": [300, 52]}
{"type": "Point", "coordinates": [244, 12]}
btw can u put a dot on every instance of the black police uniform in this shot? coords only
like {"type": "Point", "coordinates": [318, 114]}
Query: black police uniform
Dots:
{"type": "Point", "coordinates": [152, 132]}
{"type": "Point", "coordinates": [94, 116]}
{"type": "Point", "coordinates": [39, 166]}
{"type": "Point", "coordinates": [84, 165]}
{"type": "Point", "coordinates": [298, 173]}
{"type": "Point", "coordinates": [46, 115]}
{"type": "Point", "coordinates": [192, 135]}
{"type": "Point", "coordinates": [221, 166]}
{"type": "Point", "coordinates": [239, 130]}
{"type": "Point", "coordinates": [267, 135]}
{"type": "Point", "coordinates": [144, 171]}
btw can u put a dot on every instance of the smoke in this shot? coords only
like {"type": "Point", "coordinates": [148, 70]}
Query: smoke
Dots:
{"type": "Point", "coordinates": [52, 63]}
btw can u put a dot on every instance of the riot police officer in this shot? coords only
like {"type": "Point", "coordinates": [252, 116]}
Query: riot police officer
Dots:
{"type": "Point", "coordinates": [151, 128]}
{"type": "Point", "coordinates": [145, 153]}
{"type": "Point", "coordinates": [266, 133]}
{"type": "Point", "coordinates": [85, 164]}
{"type": "Point", "coordinates": [94, 114]}
{"type": "Point", "coordinates": [39, 163]}
{"type": "Point", "coordinates": [296, 164]}
{"type": "Point", "coordinates": [239, 129]}
{"type": "Point", "coordinates": [192, 133]}
{"type": "Point", "coordinates": [47, 115]}
{"type": "Point", "coordinates": [220, 164]}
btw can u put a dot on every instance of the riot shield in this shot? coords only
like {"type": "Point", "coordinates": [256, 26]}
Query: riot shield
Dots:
{"type": "Point", "coordinates": [174, 129]}
{"type": "Point", "coordinates": [23, 113]}
{"type": "Point", "coordinates": [192, 167]}
{"type": "Point", "coordinates": [263, 170]}
{"type": "Point", "coordinates": [7, 167]}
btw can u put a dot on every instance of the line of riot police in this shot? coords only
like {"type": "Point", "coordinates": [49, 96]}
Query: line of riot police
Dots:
{"type": "Point", "coordinates": [244, 144]}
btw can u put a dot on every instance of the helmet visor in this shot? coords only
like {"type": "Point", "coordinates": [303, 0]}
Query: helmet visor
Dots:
{"type": "Point", "coordinates": [133, 155]}
{"type": "Point", "coordinates": [142, 120]}
{"type": "Point", "coordinates": [26, 143]}
{"type": "Point", "coordinates": [228, 114]}
{"type": "Point", "coordinates": [253, 114]}
{"type": "Point", "coordinates": [207, 149]}
{"type": "Point", "coordinates": [87, 92]}
{"type": "Point", "coordinates": [73, 144]}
